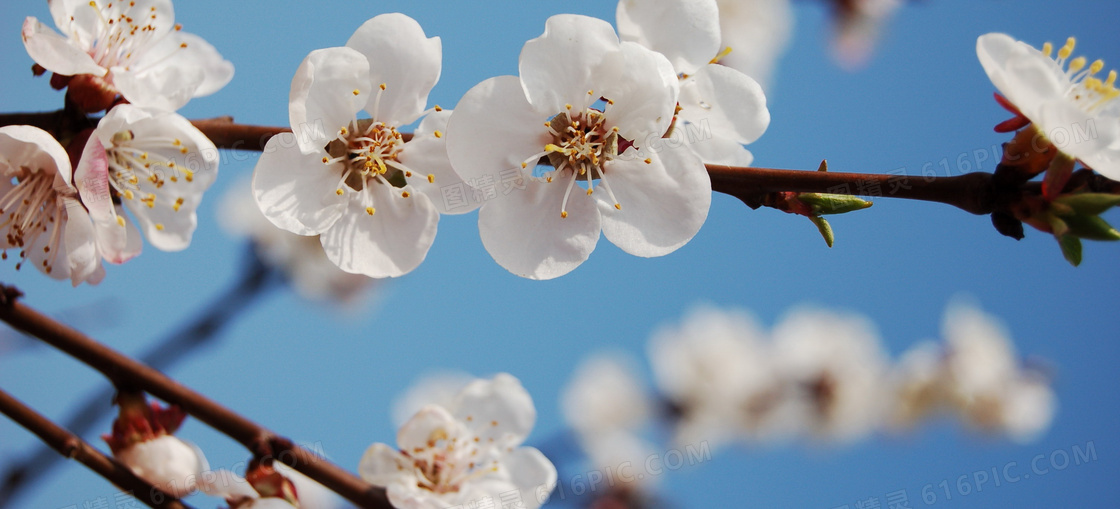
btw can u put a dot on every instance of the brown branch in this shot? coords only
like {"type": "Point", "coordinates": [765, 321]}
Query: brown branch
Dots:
{"type": "Point", "coordinates": [126, 372]}
{"type": "Point", "coordinates": [72, 446]}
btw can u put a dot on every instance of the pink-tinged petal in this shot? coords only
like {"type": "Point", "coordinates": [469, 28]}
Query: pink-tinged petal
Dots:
{"type": "Point", "coordinates": [35, 149]}
{"type": "Point", "coordinates": [330, 87]}
{"type": "Point", "coordinates": [56, 53]}
{"type": "Point", "coordinates": [716, 150]}
{"type": "Point", "coordinates": [390, 242]}
{"type": "Point", "coordinates": [384, 466]}
{"type": "Point", "coordinates": [134, 242]}
{"type": "Point", "coordinates": [757, 31]}
{"type": "Point", "coordinates": [685, 31]}
{"type": "Point", "coordinates": [426, 156]}
{"type": "Point", "coordinates": [431, 424]}
{"type": "Point", "coordinates": [532, 473]}
{"type": "Point", "coordinates": [663, 203]}
{"type": "Point", "coordinates": [525, 233]}
{"type": "Point", "coordinates": [81, 254]}
{"type": "Point", "coordinates": [92, 180]}
{"type": "Point", "coordinates": [167, 463]}
{"type": "Point", "coordinates": [725, 102]}
{"type": "Point", "coordinates": [403, 58]}
{"type": "Point", "coordinates": [296, 191]}
{"type": "Point", "coordinates": [1020, 72]}
{"type": "Point", "coordinates": [166, 88]}
{"type": "Point", "coordinates": [494, 129]}
{"type": "Point", "coordinates": [499, 408]}
{"type": "Point", "coordinates": [644, 90]}
{"type": "Point", "coordinates": [565, 62]}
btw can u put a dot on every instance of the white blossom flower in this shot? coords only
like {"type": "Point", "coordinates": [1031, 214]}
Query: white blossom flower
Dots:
{"type": "Point", "coordinates": [143, 439]}
{"type": "Point", "coordinates": [837, 370]}
{"type": "Point", "coordinates": [133, 48]}
{"type": "Point", "coordinates": [159, 166]}
{"type": "Point", "coordinates": [921, 386]}
{"type": "Point", "coordinates": [43, 214]}
{"type": "Point", "coordinates": [720, 108]}
{"type": "Point", "coordinates": [464, 453]}
{"type": "Point", "coordinates": [583, 99]}
{"type": "Point", "coordinates": [1060, 96]}
{"type": "Point", "coordinates": [299, 257]}
{"type": "Point", "coordinates": [605, 395]}
{"type": "Point", "coordinates": [858, 25]}
{"type": "Point", "coordinates": [757, 31]}
{"type": "Point", "coordinates": [373, 198]}
{"type": "Point", "coordinates": [989, 385]}
{"type": "Point", "coordinates": [716, 369]}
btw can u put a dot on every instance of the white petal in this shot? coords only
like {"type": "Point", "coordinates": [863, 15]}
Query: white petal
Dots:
{"type": "Point", "coordinates": [757, 31]}
{"type": "Point", "coordinates": [532, 473]}
{"type": "Point", "coordinates": [403, 58]}
{"type": "Point", "coordinates": [217, 72]}
{"type": "Point", "coordinates": [494, 129]}
{"type": "Point", "coordinates": [390, 243]}
{"type": "Point", "coordinates": [226, 484]}
{"type": "Point", "coordinates": [525, 234]}
{"type": "Point", "coordinates": [167, 463]}
{"type": "Point", "coordinates": [498, 408]}
{"type": "Point", "coordinates": [34, 148]}
{"type": "Point", "coordinates": [168, 88]}
{"type": "Point", "coordinates": [644, 90]}
{"type": "Point", "coordinates": [296, 191]}
{"type": "Point", "coordinates": [431, 424]}
{"type": "Point", "coordinates": [717, 150]}
{"type": "Point", "coordinates": [564, 63]}
{"type": "Point", "coordinates": [663, 203]}
{"type": "Point", "coordinates": [1092, 138]}
{"type": "Point", "coordinates": [426, 156]}
{"type": "Point", "coordinates": [92, 180]}
{"type": "Point", "coordinates": [1020, 72]}
{"type": "Point", "coordinates": [381, 466]}
{"type": "Point", "coordinates": [603, 395]}
{"type": "Point", "coordinates": [322, 99]}
{"type": "Point", "coordinates": [56, 53]}
{"type": "Point", "coordinates": [80, 243]}
{"type": "Point", "coordinates": [725, 102]}
{"type": "Point", "coordinates": [685, 31]}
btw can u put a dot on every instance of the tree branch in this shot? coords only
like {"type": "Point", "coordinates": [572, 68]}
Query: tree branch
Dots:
{"type": "Point", "coordinates": [124, 371]}
{"type": "Point", "coordinates": [72, 446]}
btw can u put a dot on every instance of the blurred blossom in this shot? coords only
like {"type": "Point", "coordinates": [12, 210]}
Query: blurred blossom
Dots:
{"type": "Point", "coordinates": [625, 455]}
{"type": "Point", "coordinates": [757, 31]}
{"type": "Point", "coordinates": [836, 368]}
{"type": "Point", "coordinates": [466, 454]}
{"type": "Point", "coordinates": [719, 108]}
{"type": "Point", "coordinates": [134, 49]}
{"type": "Point", "coordinates": [715, 368]}
{"type": "Point", "coordinates": [857, 27]}
{"type": "Point", "coordinates": [596, 109]}
{"type": "Point", "coordinates": [605, 395]}
{"type": "Point", "coordinates": [271, 486]}
{"type": "Point", "coordinates": [299, 257]}
{"type": "Point", "coordinates": [143, 440]}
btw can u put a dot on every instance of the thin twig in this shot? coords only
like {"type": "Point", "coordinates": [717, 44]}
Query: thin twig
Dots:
{"type": "Point", "coordinates": [124, 371]}
{"type": "Point", "coordinates": [72, 446]}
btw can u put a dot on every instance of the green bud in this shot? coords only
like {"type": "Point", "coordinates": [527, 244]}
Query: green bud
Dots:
{"type": "Point", "coordinates": [1071, 249]}
{"type": "Point", "coordinates": [1057, 226]}
{"type": "Point", "coordinates": [833, 203]}
{"type": "Point", "coordinates": [1089, 203]}
{"type": "Point", "coordinates": [824, 228]}
{"type": "Point", "coordinates": [1092, 228]}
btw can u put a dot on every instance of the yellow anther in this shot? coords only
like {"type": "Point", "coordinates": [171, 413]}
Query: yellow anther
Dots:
{"type": "Point", "coordinates": [1111, 79]}
{"type": "Point", "coordinates": [1077, 64]}
{"type": "Point", "coordinates": [338, 191]}
{"type": "Point", "coordinates": [618, 206]}
{"type": "Point", "coordinates": [614, 129]}
{"type": "Point", "coordinates": [128, 194]}
{"type": "Point", "coordinates": [326, 159]}
{"type": "Point", "coordinates": [524, 165]}
{"type": "Point", "coordinates": [431, 179]}
{"type": "Point", "coordinates": [726, 51]}
{"type": "Point", "coordinates": [554, 148]}
{"type": "Point", "coordinates": [649, 161]}
{"type": "Point", "coordinates": [120, 220]}
{"type": "Point", "coordinates": [92, 3]}
{"type": "Point", "coordinates": [190, 176]}
{"type": "Point", "coordinates": [178, 203]}
{"type": "Point", "coordinates": [183, 150]}
{"type": "Point", "coordinates": [343, 131]}
{"type": "Point", "coordinates": [408, 174]}
{"type": "Point", "coordinates": [563, 214]}
{"type": "Point", "coordinates": [159, 226]}
{"type": "Point", "coordinates": [589, 191]}
{"type": "Point", "coordinates": [437, 133]}
{"type": "Point", "coordinates": [1067, 50]}
{"type": "Point", "coordinates": [382, 86]}
{"type": "Point", "coordinates": [381, 167]}
{"type": "Point", "coordinates": [437, 108]}
{"type": "Point", "coordinates": [568, 106]}
{"type": "Point", "coordinates": [1096, 67]}
{"type": "Point", "coordinates": [548, 179]}
{"type": "Point", "coordinates": [405, 194]}
{"type": "Point", "coordinates": [177, 142]}
{"type": "Point", "coordinates": [591, 92]}
{"type": "Point", "coordinates": [370, 210]}
{"type": "Point", "coordinates": [183, 45]}
{"type": "Point", "coordinates": [357, 92]}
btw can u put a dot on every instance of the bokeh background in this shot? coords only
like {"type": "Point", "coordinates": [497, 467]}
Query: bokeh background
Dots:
{"type": "Point", "coordinates": [327, 375]}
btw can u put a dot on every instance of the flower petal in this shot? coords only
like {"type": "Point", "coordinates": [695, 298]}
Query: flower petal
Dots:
{"type": "Point", "coordinates": [532, 473]}
{"type": "Point", "coordinates": [426, 156]}
{"type": "Point", "coordinates": [389, 243]}
{"type": "Point", "coordinates": [717, 150]}
{"type": "Point", "coordinates": [685, 31]}
{"type": "Point", "coordinates": [381, 466]}
{"type": "Point", "coordinates": [323, 98]}
{"type": "Point", "coordinates": [1021, 73]}
{"type": "Point", "coordinates": [82, 256]}
{"type": "Point", "coordinates": [24, 146]}
{"type": "Point", "coordinates": [168, 88]}
{"type": "Point", "coordinates": [757, 31]}
{"type": "Point", "coordinates": [432, 423]}
{"type": "Point", "coordinates": [725, 102]}
{"type": "Point", "coordinates": [498, 408]}
{"type": "Point", "coordinates": [1085, 136]}
{"type": "Point", "coordinates": [403, 58]}
{"type": "Point", "coordinates": [525, 234]}
{"type": "Point", "coordinates": [644, 92]}
{"type": "Point", "coordinates": [561, 65]}
{"type": "Point", "coordinates": [296, 191]}
{"type": "Point", "coordinates": [663, 203]}
{"type": "Point", "coordinates": [494, 128]}
{"type": "Point", "coordinates": [92, 180]}
{"type": "Point", "coordinates": [217, 72]}
{"type": "Point", "coordinates": [56, 53]}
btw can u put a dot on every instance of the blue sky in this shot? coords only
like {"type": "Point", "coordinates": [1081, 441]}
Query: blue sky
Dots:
{"type": "Point", "coordinates": [322, 375]}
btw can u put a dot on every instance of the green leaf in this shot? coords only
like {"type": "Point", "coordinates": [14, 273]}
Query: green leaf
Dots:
{"type": "Point", "coordinates": [1092, 204]}
{"type": "Point", "coordinates": [1092, 228]}
{"type": "Point", "coordinates": [1071, 249]}
{"type": "Point", "coordinates": [824, 228]}
{"type": "Point", "coordinates": [833, 203]}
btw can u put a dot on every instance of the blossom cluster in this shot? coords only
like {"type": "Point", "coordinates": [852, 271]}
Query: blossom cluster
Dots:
{"type": "Point", "coordinates": [65, 205]}
{"type": "Point", "coordinates": [817, 374]}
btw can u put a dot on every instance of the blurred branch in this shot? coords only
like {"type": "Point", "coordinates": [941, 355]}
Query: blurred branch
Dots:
{"type": "Point", "coordinates": [199, 332]}
{"type": "Point", "coordinates": [126, 372]}
{"type": "Point", "coordinates": [72, 446]}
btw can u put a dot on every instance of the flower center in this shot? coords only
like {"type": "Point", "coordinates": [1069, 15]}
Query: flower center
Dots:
{"type": "Point", "coordinates": [32, 209]}
{"type": "Point", "coordinates": [369, 154]}
{"type": "Point", "coordinates": [1086, 90]}
{"type": "Point", "coordinates": [446, 463]}
{"type": "Point", "coordinates": [125, 31]}
{"type": "Point", "coordinates": [132, 160]}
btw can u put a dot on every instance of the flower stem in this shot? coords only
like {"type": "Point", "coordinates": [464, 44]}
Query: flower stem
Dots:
{"type": "Point", "coordinates": [72, 446]}
{"type": "Point", "coordinates": [124, 371]}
